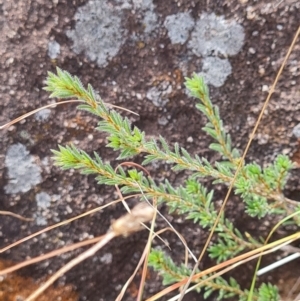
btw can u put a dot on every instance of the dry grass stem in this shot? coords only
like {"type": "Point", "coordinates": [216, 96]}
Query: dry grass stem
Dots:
{"type": "Point", "coordinates": [242, 160]}
{"type": "Point", "coordinates": [49, 255]}
{"type": "Point", "coordinates": [236, 261]}
{"type": "Point", "coordinates": [62, 223]}
{"type": "Point", "coordinates": [16, 216]}
{"type": "Point", "coordinates": [125, 225]}
{"type": "Point", "coordinates": [24, 116]}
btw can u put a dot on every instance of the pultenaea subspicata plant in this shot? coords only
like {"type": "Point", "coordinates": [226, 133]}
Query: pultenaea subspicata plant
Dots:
{"type": "Point", "coordinates": [259, 188]}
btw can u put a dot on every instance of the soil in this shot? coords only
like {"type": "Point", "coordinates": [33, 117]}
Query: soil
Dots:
{"type": "Point", "coordinates": [15, 286]}
{"type": "Point", "coordinates": [152, 61]}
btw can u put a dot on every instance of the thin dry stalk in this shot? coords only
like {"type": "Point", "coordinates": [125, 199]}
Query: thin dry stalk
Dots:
{"type": "Point", "coordinates": [125, 286]}
{"type": "Point", "coordinates": [90, 252]}
{"type": "Point", "coordinates": [236, 261]}
{"type": "Point", "coordinates": [61, 224]}
{"type": "Point", "coordinates": [148, 248]}
{"type": "Point", "coordinates": [150, 238]}
{"type": "Point", "coordinates": [293, 289]}
{"type": "Point", "coordinates": [16, 216]}
{"type": "Point", "coordinates": [54, 105]}
{"type": "Point", "coordinates": [117, 187]}
{"type": "Point", "coordinates": [241, 161]}
{"type": "Point", "coordinates": [229, 268]}
{"type": "Point", "coordinates": [35, 111]}
{"type": "Point", "coordinates": [173, 229]}
{"type": "Point", "coordinates": [125, 225]}
{"type": "Point", "coordinates": [49, 255]}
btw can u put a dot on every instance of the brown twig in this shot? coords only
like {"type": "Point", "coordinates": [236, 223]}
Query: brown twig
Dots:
{"type": "Point", "coordinates": [16, 216]}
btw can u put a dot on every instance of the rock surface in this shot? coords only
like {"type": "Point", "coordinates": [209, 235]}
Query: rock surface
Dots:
{"type": "Point", "coordinates": [136, 55]}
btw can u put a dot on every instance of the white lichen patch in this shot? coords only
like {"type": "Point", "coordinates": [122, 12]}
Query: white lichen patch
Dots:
{"type": "Point", "coordinates": [98, 32]}
{"type": "Point", "coordinates": [43, 213]}
{"type": "Point", "coordinates": [42, 115]}
{"type": "Point", "coordinates": [23, 173]}
{"type": "Point", "coordinates": [136, 4]}
{"type": "Point", "coordinates": [100, 29]}
{"type": "Point", "coordinates": [150, 21]}
{"type": "Point", "coordinates": [179, 27]}
{"type": "Point", "coordinates": [43, 200]}
{"type": "Point", "coordinates": [106, 258]}
{"type": "Point", "coordinates": [40, 220]}
{"type": "Point", "coordinates": [146, 9]}
{"type": "Point", "coordinates": [143, 4]}
{"type": "Point", "coordinates": [213, 35]}
{"type": "Point", "coordinates": [215, 70]}
{"type": "Point", "coordinates": [159, 94]}
{"type": "Point", "coordinates": [53, 49]}
{"type": "Point", "coordinates": [296, 131]}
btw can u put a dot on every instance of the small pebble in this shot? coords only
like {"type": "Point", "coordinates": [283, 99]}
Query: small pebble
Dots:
{"type": "Point", "coordinates": [252, 50]}
{"type": "Point", "coordinates": [279, 27]}
{"type": "Point", "coordinates": [261, 70]}
{"type": "Point", "coordinates": [53, 49]}
{"type": "Point", "coordinates": [162, 120]}
{"type": "Point", "coordinates": [10, 61]}
{"type": "Point", "coordinates": [296, 131]}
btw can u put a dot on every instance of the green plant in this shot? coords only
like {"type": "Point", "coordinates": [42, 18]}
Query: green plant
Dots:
{"type": "Point", "coordinates": [259, 188]}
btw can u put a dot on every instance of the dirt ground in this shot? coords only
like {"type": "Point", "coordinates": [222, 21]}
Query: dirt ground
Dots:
{"type": "Point", "coordinates": [144, 74]}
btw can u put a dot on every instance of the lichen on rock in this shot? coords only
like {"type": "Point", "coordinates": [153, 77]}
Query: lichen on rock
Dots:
{"type": "Point", "coordinates": [213, 35]}
{"type": "Point", "coordinates": [179, 26]}
{"type": "Point", "coordinates": [98, 32]}
{"type": "Point", "coordinates": [23, 173]}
